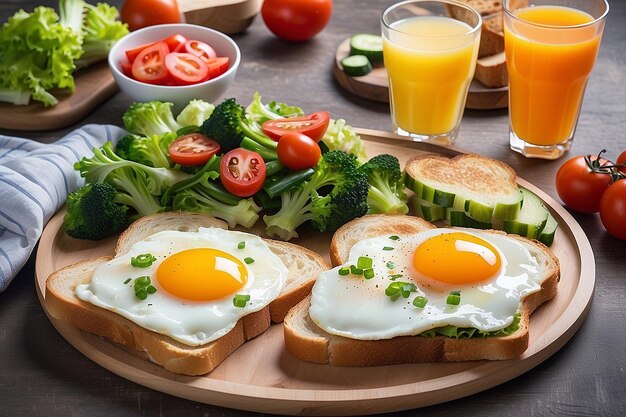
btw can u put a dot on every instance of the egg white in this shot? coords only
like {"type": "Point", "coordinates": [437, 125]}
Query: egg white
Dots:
{"type": "Point", "coordinates": [355, 307]}
{"type": "Point", "coordinates": [190, 322]}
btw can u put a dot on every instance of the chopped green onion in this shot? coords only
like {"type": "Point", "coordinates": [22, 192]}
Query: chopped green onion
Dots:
{"type": "Point", "coordinates": [142, 261]}
{"type": "Point", "coordinates": [240, 300]}
{"type": "Point", "coordinates": [241, 245]}
{"type": "Point", "coordinates": [395, 276]}
{"type": "Point", "coordinates": [394, 237]}
{"type": "Point", "coordinates": [454, 298]}
{"type": "Point", "coordinates": [344, 270]}
{"type": "Point", "coordinates": [364, 262]}
{"type": "Point", "coordinates": [387, 248]}
{"type": "Point", "coordinates": [398, 288]}
{"type": "Point", "coordinates": [143, 287]}
{"type": "Point", "coordinates": [391, 265]}
{"type": "Point", "coordinates": [368, 273]}
{"type": "Point", "coordinates": [356, 271]}
{"type": "Point", "coordinates": [127, 281]}
{"type": "Point", "coordinates": [420, 301]}
{"type": "Point", "coordinates": [248, 260]}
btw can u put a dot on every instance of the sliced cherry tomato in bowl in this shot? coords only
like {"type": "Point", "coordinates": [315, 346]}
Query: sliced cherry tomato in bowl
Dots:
{"type": "Point", "coordinates": [613, 209]}
{"type": "Point", "coordinates": [149, 65]}
{"type": "Point", "coordinates": [186, 68]}
{"type": "Point", "coordinates": [176, 42]}
{"type": "Point", "coordinates": [580, 183]}
{"type": "Point", "coordinates": [242, 172]}
{"type": "Point", "coordinates": [193, 149]}
{"type": "Point", "coordinates": [298, 151]}
{"type": "Point", "coordinates": [313, 125]}
{"type": "Point", "coordinates": [141, 13]}
{"type": "Point", "coordinates": [199, 49]}
{"type": "Point", "coordinates": [217, 66]}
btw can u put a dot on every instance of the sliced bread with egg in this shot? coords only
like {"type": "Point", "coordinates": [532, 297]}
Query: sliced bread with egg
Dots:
{"type": "Point", "coordinates": [305, 340]}
{"type": "Point", "coordinates": [62, 302]}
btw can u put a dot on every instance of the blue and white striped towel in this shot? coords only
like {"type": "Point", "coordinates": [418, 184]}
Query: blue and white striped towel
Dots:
{"type": "Point", "coordinates": [35, 179]}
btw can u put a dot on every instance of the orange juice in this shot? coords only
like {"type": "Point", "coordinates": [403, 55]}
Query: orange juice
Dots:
{"type": "Point", "coordinates": [548, 68]}
{"type": "Point", "coordinates": [430, 61]}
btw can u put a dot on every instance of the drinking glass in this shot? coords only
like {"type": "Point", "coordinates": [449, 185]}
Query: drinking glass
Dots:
{"type": "Point", "coordinates": [430, 50]}
{"type": "Point", "coordinates": [551, 47]}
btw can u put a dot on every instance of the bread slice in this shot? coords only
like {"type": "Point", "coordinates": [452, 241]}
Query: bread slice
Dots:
{"type": "Point", "coordinates": [491, 35]}
{"type": "Point", "coordinates": [484, 188]}
{"type": "Point", "coordinates": [304, 266]}
{"type": "Point", "coordinates": [491, 71]}
{"type": "Point", "coordinates": [306, 341]}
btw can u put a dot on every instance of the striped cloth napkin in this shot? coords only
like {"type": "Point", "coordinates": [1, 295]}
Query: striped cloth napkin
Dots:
{"type": "Point", "coordinates": [35, 179]}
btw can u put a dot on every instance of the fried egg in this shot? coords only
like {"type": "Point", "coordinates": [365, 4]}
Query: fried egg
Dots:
{"type": "Point", "coordinates": [487, 274]}
{"type": "Point", "coordinates": [196, 277]}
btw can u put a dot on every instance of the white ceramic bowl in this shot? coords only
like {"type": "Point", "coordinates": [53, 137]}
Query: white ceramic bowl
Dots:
{"type": "Point", "coordinates": [210, 90]}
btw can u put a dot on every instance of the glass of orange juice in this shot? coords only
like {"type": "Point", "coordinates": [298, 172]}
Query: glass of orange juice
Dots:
{"type": "Point", "coordinates": [430, 50]}
{"type": "Point", "coordinates": [551, 47]}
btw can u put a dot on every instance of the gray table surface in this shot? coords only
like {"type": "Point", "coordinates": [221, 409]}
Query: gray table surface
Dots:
{"type": "Point", "coordinates": [42, 375]}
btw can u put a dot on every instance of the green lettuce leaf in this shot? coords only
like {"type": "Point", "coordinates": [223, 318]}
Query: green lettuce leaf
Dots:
{"type": "Point", "coordinates": [468, 332]}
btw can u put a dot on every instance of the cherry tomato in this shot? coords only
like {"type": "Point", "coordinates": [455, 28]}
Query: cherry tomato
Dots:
{"type": "Point", "coordinates": [613, 209]}
{"type": "Point", "coordinates": [296, 20]}
{"type": "Point", "coordinates": [127, 68]}
{"type": "Point", "coordinates": [313, 125]}
{"type": "Point", "coordinates": [199, 49]}
{"type": "Point", "coordinates": [217, 66]}
{"type": "Point", "coordinates": [242, 172]}
{"type": "Point", "coordinates": [621, 160]}
{"type": "Point", "coordinates": [579, 186]}
{"type": "Point", "coordinates": [141, 13]}
{"type": "Point", "coordinates": [186, 68]}
{"type": "Point", "coordinates": [193, 149]}
{"type": "Point", "coordinates": [149, 66]}
{"type": "Point", "coordinates": [297, 151]}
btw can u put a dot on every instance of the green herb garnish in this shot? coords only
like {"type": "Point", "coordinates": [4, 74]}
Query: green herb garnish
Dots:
{"type": "Point", "coordinates": [420, 301]}
{"type": "Point", "coordinates": [391, 265]}
{"type": "Point", "coordinates": [142, 261]}
{"type": "Point", "coordinates": [240, 300]}
{"type": "Point", "coordinates": [364, 262]}
{"type": "Point", "coordinates": [248, 260]}
{"type": "Point", "coordinates": [454, 298]}
{"type": "Point", "coordinates": [241, 245]}
{"type": "Point", "coordinates": [399, 288]}
{"type": "Point", "coordinates": [143, 287]}
{"type": "Point", "coordinates": [387, 248]}
{"type": "Point", "coordinates": [127, 281]}
{"type": "Point", "coordinates": [394, 237]}
{"type": "Point", "coordinates": [368, 273]}
{"type": "Point", "coordinates": [356, 271]}
{"type": "Point", "coordinates": [344, 270]}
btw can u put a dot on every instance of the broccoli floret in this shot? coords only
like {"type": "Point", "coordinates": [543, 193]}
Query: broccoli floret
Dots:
{"type": "Point", "coordinates": [386, 193]}
{"type": "Point", "coordinates": [244, 213]}
{"type": "Point", "coordinates": [151, 151]}
{"type": "Point", "coordinates": [195, 113]}
{"type": "Point", "coordinates": [151, 118]}
{"type": "Point", "coordinates": [335, 194]}
{"type": "Point", "coordinates": [105, 162]}
{"type": "Point", "coordinates": [229, 125]}
{"type": "Point", "coordinates": [93, 212]}
{"type": "Point", "coordinates": [342, 137]}
{"type": "Point", "coordinates": [260, 112]}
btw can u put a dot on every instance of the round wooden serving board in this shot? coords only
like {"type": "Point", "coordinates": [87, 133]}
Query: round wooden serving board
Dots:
{"type": "Point", "coordinates": [94, 85]}
{"type": "Point", "coordinates": [262, 376]}
{"type": "Point", "coordinates": [375, 85]}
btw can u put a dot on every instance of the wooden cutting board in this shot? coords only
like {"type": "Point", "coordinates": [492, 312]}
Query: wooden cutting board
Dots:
{"type": "Point", "coordinates": [94, 85]}
{"type": "Point", "coordinates": [375, 85]}
{"type": "Point", "coordinates": [227, 16]}
{"type": "Point", "coordinates": [262, 376]}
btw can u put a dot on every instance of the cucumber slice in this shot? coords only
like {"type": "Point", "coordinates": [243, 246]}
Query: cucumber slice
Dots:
{"type": "Point", "coordinates": [356, 65]}
{"type": "Point", "coordinates": [428, 211]}
{"type": "Point", "coordinates": [549, 230]}
{"type": "Point", "coordinates": [531, 219]}
{"type": "Point", "coordinates": [369, 45]}
{"type": "Point", "coordinates": [459, 218]}
{"type": "Point", "coordinates": [435, 196]}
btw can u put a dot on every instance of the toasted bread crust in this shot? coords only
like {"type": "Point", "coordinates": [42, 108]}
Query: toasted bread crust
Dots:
{"type": "Point", "coordinates": [176, 357]}
{"type": "Point", "coordinates": [305, 340]}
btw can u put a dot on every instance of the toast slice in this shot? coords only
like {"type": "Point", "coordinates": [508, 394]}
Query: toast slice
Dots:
{"type": "Point", "coordinates": [484, 188]}
{"type": "Point", "coordinates": [306, 341]}
{"type": "Point", "coordinates": [491, 71]}
{"type": "Point", "coordinates": [304, 266]}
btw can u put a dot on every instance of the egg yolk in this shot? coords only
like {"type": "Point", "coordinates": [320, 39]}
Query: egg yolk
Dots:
{"type": "Point", "coordinates": [202, 274]}
{"type": "Point", "coordinates": [457, 258]}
